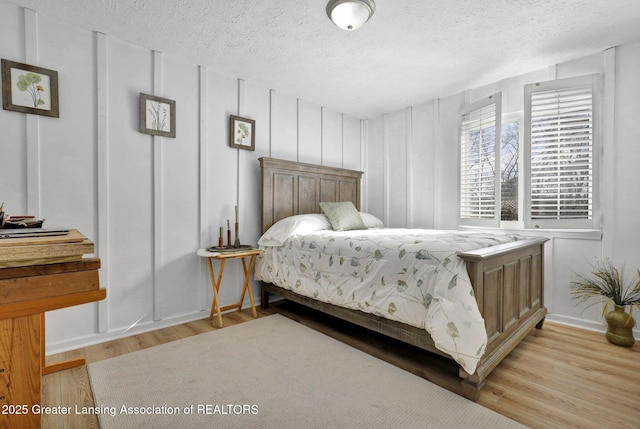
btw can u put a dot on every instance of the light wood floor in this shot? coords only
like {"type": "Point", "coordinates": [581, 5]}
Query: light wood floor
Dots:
{"type": "Point", "coordinates": [558, 377]}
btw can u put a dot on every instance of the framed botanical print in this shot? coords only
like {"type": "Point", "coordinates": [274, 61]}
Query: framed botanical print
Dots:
{"type": "Point", "coordinates": [29, 89]}
{"type": "Point", "coordinates": [242, 133]}
{"type": "Point", "coordinates": [157, 116]}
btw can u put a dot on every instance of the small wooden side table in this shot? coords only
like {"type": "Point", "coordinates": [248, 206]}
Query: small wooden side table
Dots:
{"type": "Point", "coordinates": [215, 281]}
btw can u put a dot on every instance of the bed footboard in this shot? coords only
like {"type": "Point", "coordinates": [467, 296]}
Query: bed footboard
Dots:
{"type": "Point", "coordinates": [508, 281]}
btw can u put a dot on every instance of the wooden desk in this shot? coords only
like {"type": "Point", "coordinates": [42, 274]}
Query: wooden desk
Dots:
{"type": "Point", "coordinates": [215, 281]}
{"type": "Point", "coordinates": [55, 277]}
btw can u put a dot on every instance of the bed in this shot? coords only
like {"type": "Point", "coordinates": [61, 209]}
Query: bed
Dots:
{"type": "Point", "coordinates": [506, 278]}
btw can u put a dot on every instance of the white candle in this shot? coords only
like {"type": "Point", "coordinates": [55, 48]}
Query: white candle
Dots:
{"type": "Point", "coordinates": [236, 214]}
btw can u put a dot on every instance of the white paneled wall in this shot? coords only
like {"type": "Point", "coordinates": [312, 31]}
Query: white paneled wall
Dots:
{"type": "Point", "coordinates": [398, 142]}
{"type": "Point", "coordinates": [332, 137]}
{"type": "Point", "coordinates": [147, 202]}
{"type": "Point", "coordinates": [284, 126]}
{"type": "Point", "coordinates": [399, 167]}
{"type": "Point", "coordinates": [352, 155]}
{"type": "Point", "coordinates": [309, 132]}
{"type": "Point", "coordinates": [374, 167]}
{"type": "Point", "coordinates": [421, 162]}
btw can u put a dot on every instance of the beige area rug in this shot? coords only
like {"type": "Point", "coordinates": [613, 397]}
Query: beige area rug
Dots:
{"type": "Point", "coordinates": [272, 373]}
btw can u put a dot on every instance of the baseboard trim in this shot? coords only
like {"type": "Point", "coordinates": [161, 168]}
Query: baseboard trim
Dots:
{"type": "Point", "coordinates": [90, 340]}
{"type": "Point", "coordinates": [583, 324]}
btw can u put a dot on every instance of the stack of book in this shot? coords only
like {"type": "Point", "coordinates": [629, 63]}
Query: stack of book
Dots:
{"type": "Point", "coordinates": [39, 247]}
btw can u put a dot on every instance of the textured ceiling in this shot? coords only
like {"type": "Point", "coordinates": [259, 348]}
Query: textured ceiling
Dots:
{"type": "Point", "coordinates": [410, 52]}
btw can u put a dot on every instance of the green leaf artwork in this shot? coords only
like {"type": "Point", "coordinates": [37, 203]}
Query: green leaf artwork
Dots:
{"type": "Point", "coordinates": [28, 82]}
{"type": "Point", "coordinates": [242, 133]}
{"type": "Point", "coordinates": [158, 112]}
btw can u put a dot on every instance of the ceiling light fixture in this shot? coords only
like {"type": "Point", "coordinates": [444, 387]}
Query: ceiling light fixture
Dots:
{"type": "Point", "coordinates": [350, 14]}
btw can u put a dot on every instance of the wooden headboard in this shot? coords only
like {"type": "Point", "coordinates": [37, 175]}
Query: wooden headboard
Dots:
{"type": "Point", "coordinates": [291, 188]}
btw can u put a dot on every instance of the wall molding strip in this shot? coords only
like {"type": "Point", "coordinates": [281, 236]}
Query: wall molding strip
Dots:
{"type": "Point", "coordinates": [34, 205]}
{"type": "Point", "coordinates": [608, 198]}
{"type": "Point", "coordinates": [204, 180]}
{"type": "Point", "coordinates": [102, 153]}
{"type": "Point", "coordinates": [385, 168]}
{"type": "Point", "coordinates": [409, 169]}
{"type": "Point", "coordinates": [158, 221]}
{"type": "Point", "coordinates": [241, 108]}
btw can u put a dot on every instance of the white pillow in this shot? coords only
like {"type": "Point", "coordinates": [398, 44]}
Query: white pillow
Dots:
{"type": "Point", "coordinates": [370, 221]}
{"type": "Point", "coordinates": [278, 233]}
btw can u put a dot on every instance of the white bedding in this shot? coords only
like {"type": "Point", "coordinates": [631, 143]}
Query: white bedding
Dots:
{"type": "Point", "coordinates": [408, 275]}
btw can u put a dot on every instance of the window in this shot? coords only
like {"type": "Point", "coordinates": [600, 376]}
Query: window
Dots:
{"type": "Point", "coordinates": [561, 118]}
{"type": "Point", "coordinates": [540, 171]}
{"type": "Point", "coordinates": [480, 129]}
{"type": "Point", "coordinates": [510, 167]}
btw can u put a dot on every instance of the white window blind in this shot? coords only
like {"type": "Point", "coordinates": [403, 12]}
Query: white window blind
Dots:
{"type": "Point", "coordinates": [480, 127]}
{"type": "Point", "coordinates": [561, 121]}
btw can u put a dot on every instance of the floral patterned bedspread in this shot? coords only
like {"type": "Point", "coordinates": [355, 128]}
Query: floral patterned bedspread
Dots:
{"type": "Point", "coordinates": [408, 275]}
